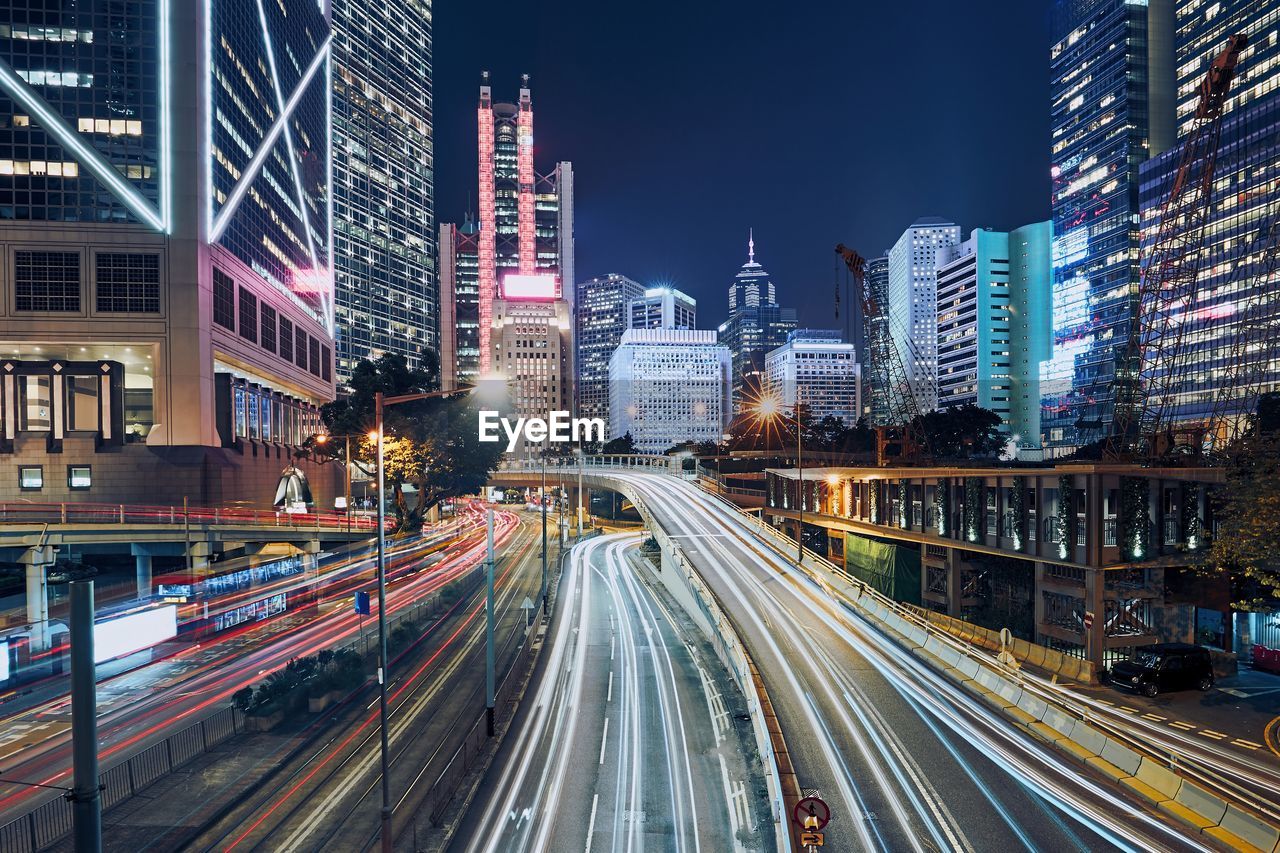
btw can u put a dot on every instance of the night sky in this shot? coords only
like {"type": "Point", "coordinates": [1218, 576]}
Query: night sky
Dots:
{"type": "Point", "coordinates": [814, 123]}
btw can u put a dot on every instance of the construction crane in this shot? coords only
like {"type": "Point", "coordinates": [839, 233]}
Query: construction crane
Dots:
{"type": "Point", "coordinates": [903, 438]}
{"type": "Point", "coordinates": [1149, 378]}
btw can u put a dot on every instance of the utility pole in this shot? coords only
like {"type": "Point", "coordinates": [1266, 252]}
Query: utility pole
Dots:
{"type": "Point", "coordinates": [800, 471]}
{"type": "Point", "coordinates": [581, 458]}
{"type": "Point", "coordinates": [382, 629]}
{"type": "Point", "coordinates": [488, 632]}
{"type": "Point", "coordinates": [542, 503]}
{"type": "Point", "coordinates": [85, 794]}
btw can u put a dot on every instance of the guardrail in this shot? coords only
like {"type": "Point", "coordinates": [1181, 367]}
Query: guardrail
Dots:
{"type": "Point", "coordinates": [52, 821]}
{"type": "Point", "coordinates": [1177, 781]}
{"type": "Point", "coordinates": [134, 514]}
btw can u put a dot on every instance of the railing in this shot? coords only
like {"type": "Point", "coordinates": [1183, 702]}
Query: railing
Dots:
{"type": "Point", "coordinates": [1171, 531]}
{"type": "Point", "coordinates": [1109, 531]}
{"type": "Point", "coordinates": [669, 464]}
{"type": "Point", "coordinates": [52, 821]}
{"type": "Point", "coordinates": [126, 514]}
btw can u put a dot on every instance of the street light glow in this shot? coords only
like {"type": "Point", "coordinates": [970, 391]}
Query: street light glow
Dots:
{"type": "Point", "coordinates": [768, 407]}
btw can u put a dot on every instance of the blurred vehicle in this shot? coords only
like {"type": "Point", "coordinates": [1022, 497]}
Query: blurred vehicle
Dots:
{"type": "Point", "coordinates": [1163, 667]}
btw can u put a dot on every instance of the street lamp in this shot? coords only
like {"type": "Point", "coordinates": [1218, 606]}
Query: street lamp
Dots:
{"type": "Point", "coordinates": [380, 403]}
{"type": "Point", "coordinates": [768, 408]}
{"type": "Point", "coordinates": [323, 438]}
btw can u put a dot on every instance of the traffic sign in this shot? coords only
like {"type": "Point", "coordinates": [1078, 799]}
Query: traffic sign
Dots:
{"type": "Point", "coordinates": [811, 839]}
{"type": "Point", "coordinates": [527, 606]}
{"type": "Point", "coordinates": [811, 813]}
{"type": "Point", "coordinates": [1088, 620]}
{"type": "Point", "coordinates": [362, 602]}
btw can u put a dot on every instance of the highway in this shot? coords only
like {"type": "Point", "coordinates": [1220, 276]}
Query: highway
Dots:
{"type": "Point", "coordinates": [907, 760]}
{"type": "Point", "coordinates": [328, 796]}
{"type": "Point", "coordinates": [626, 740]}
{"type": "Point", "coordinates": [141, 707]}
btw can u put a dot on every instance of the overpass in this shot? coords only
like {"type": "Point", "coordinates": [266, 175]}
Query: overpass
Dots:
{"type": "Point", "coordinates": [907, 756]}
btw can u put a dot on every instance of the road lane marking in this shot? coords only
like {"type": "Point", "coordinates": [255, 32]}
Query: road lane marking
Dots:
{"type": "Point", "coordinates": [1178, 724]}
{"type": "Point", "coordinates": [591, 824]}
{"type": "Point", "coordinates": [609, 697]}
{"type": "Point", "coordinates": [1127, 709]}
{"type": "Point", "coordinates": [1247, 744]}
{"type": "Point", "coordinates": [604, 740]}
{"type": "Point", "coordinates": [611, 642]}
{"type": "Point", "coordinates": [734, 823]}
{"type": "Point", "coordinates": [1156, 717]}
{"type": "Point", "coordinates": [1273, 743]}
{"type": "Point", "coordinates": [1212, 734]}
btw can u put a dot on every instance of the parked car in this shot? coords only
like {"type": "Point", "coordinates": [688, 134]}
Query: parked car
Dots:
{"type": "Point", "coordinates": [1165, 666]}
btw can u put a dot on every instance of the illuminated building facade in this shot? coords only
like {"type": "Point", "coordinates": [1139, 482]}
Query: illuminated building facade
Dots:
{"type": "Point", "coordinates": [459, 304]}
{"type": "Point", "coordinates": [1247, 182]}
{"type": "Point", "coordinates": [876, 276]}
{"type": "Point", "coordinates": [1112, 108]}
{"type": "Point", "coordinates": [818, 369]}
{"type": "Point", "coordinates": [526, 218]}
{"type": "Point", "coordinates": [756, 325]}
{"type": "Point", "coordinates": [911, 297]}
{"type": "Point", "coordinates": [166, 295]}
{"type": "Point", "coordinates": [532, 331]}
{"type": "Point", "coordinates": [668, 386]}
{"type": "Point", "coordinates": [601, 314]}
{"type": "Point", "coordinates": [664, 308]}
{"type": "Point", "coordinates": [993, 325]}
{"type": "Point", "coordinates": [384, 209]}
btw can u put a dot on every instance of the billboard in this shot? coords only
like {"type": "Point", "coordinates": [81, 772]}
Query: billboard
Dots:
{"type": "Point", "coordinates": [124, 635]}
{"type": "Point", "coordinates": [542, 286]}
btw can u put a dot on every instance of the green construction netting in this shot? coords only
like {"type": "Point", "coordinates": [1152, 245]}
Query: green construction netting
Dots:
{"type": "Point", "coordinates": [892, 569]}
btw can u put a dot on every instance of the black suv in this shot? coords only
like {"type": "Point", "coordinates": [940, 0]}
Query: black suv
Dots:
{"type": "Point", "coordinates": [1165, 666]}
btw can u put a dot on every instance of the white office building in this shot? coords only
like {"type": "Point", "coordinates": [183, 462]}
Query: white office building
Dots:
{"type": "Point", "coordinates": [818, 369]}
{"type": "Point", "coordinates": [912, 294]}
{"type": "Point", "coordinates": [667, 386]}
{"type": "Point", "coordinates": [664, 308]}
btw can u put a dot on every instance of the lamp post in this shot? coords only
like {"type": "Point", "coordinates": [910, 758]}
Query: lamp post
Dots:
{"type": "Point", "coordinates": [323, 438]}
{"type": "Point", "coordinates": [380, 403]}
{"type": "Point", "coordinates": [769, 408]}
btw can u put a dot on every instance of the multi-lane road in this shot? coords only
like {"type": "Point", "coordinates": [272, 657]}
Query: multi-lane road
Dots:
{"type": "Point", "coordinates": [906, 759]}
{"type": "Point", "coordinates": [630, 738]}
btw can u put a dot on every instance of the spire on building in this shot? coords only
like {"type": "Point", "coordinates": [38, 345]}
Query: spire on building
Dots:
{"type": "Point", "coordinates": [751, 246]}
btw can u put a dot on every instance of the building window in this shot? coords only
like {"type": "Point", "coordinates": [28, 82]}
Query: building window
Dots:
{"type": "Point", "coordinates": [313, 350]}
{"type": "Point", "coordinates": [224, 300]}
{"type": "Point", "coordinates": [325, 358]}
{"type": "Point", "coordinates": [31, 478]}
{"type": "Point", "coordinates": [286, 339]}
{"type": "Point", "coordinates": [248, 315]}
{"type": "Point", "coordinates": [268, 328]}
{"type": "Point", "coordinates": [37, 403]}
{"type": "Point", "coordinates": [82, 403]}
{"type": "Point", "coordinates": [128, 283]}
{"type": "Point", "coordinates": [79, 477]}
{"type": "Point", "coordinates": [46, 281]}
{"type": "Point", "coordinates": [300, 349]}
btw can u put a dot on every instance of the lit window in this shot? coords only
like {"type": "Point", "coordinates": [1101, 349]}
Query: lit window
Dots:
{"type": "Point", "coordinates": [31, 478]}
{"type": "Point", "coordinates": [79, 476]}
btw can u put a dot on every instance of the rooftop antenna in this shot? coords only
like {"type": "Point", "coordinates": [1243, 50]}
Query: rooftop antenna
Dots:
{"type": "Point", "coordinates": [751, 246]}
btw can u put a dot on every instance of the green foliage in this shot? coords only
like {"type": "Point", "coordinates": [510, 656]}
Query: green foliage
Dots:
{"type": "Point", "coordinates": [975, 506]}
{"type": "Point", "coordinates": [904, 505]}
{"type": "Point", "coordinates": [963, 432]}
{"type": "Point", "coordinates": [1247, 509]}
{"type": "Point", "coordinates": [242, 699]}
{"type": "Point", "coordinates": [287, 689]}
{"type": "Point", "coordinates": [1066, 516]}
{"type": "Point", "coordinates": [1018, 506]}
{"type": "Point", "coordinates": [433, 445]}
{"type": "Point", "coordinates": [1135, 518]}
{"type": "Point", "coordinates": [944, 507]}
{"type": "Point", "coordinates": [623, 445]}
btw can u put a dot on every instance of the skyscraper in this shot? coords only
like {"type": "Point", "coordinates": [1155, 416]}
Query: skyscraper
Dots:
{"type": "Point", "coordinates": [1112, 107]}
{"type": "Point", "coordinates": [165, 224]}
{"type": "Point", "coordinates": [1233, 294]}
{"type": "Point", "coordinates": [877, 284]}
{"type": "Point", "coordinates": [667, 386]}
{"type": "Point", "coordinates": [525, 227]}
{"type": "Point", "coordinates": [819, 370]}
{"type": "Point", "coordinates": [756, 325]}
{"type": "Point", "coordinates": [911, 291]}
{"type": "Point", "coordinates": [601, 315]}
{"type": "Point", "coordinates": [532, 329]}
{"type": "Point", "coordinates": [993, 325]}
{"type": "Point", "coordinates": [384, 209]}
{"type": "Point", "coordinates": [664, 308]}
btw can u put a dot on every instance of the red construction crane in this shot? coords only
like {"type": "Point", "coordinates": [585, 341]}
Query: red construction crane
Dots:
{"type": "Point", "coordinates": [1150, 377]}
{"type": "Point", "coordinates": [902, 439]}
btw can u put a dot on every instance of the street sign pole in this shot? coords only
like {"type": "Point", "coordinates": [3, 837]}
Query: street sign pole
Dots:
{"type": "Point", "coordinates": [542, 502]}
{"type": "Point", "coordinates": [488, 612]}
{"type": "Point", "coordinates": [85, 795]}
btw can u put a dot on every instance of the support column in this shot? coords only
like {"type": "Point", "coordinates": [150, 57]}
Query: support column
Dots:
{"type": "Point", "coordinates": [143, 563]}
{"type": "Point", "coordinates": [1037, 594]}
{"type": "Point", "coordinates": [955, 583]}
{"type": "Point", "coordinates": [311, 557]}
{"type": "Point", "coordinates": [37, 562]}
{"type": "Point", "coordinates": [198, 556]}
{"type": "Point", "coordinates": [1095, 582]}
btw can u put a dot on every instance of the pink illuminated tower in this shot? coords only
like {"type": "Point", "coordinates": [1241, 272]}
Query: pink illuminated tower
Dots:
{"type": "Point", "coordinates": [525, 221]}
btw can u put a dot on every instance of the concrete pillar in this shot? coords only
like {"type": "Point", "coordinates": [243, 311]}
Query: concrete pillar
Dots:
{"type": "Point", "coordinates": [37, 562]}
{"type": "Point", "coordinates": [198, 555]}
{"type": "Point", "coordinates": [955, 582]}
{"type": "Point", "coordinates": [310, 557]}
{"type": "Point", "coordinates": [143, 564]}
{"type": "Point", "coordinates": [1095, 582]}
{"type": "Point", "coordinates": [1037, 594]}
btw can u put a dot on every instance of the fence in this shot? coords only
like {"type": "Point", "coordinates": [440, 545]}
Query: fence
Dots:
{"type": "Point", "coordinates": [94, 513]}
{"type": "Point", "coordinates": [52, 821]}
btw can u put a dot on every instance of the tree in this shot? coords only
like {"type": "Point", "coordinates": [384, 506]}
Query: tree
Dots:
{"type": "Point", "coordinates": [965, 432]}
{"type": "Point", "coordinates": [624, 445]}
{"type": "Point", "coordinates": [433, 445]}
{"type": "Point", "coordinates": [1243, 551]}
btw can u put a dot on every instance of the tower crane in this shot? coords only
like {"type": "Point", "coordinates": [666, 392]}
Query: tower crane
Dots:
{"type": "Point", "coordinates": [903, 438]}
{"type": "Point", "coordinates": [1149, 378]}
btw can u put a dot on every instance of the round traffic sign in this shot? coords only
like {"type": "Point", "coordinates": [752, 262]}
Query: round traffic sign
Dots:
{"type": "Point", "coordinates": [812, 807]}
